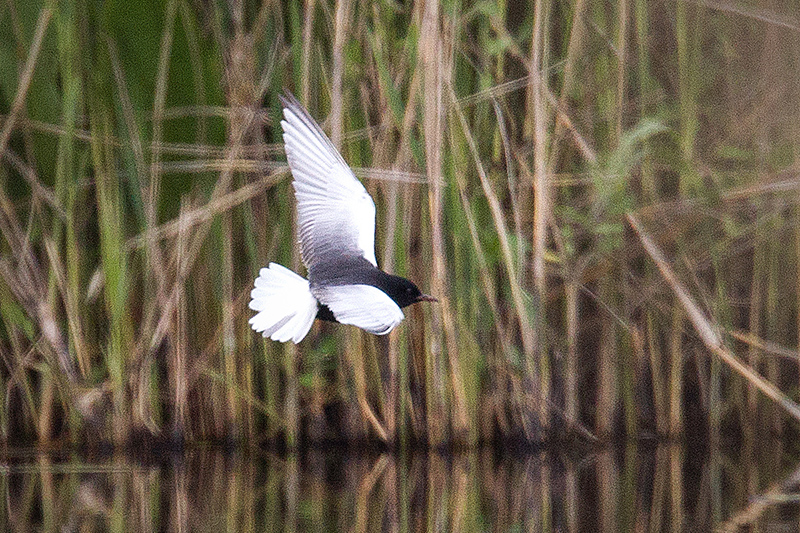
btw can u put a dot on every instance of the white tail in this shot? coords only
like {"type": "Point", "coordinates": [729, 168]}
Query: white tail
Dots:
{"type": "Point", "coordinates": [286, 308]}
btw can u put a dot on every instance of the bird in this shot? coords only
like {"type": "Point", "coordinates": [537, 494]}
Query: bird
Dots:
{"type": "Point", "coordinates": [336, 231]}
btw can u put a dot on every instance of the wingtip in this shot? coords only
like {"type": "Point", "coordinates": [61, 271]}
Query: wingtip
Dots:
{"type": "Point", "coordinates": [294, 111]}
{"type": "Point", "coordinates": [288, 100]}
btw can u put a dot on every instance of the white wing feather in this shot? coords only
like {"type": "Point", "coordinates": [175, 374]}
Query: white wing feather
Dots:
{"type": "Point", "coordinates": [364, 306]}
{"type": "Point", "coordinates": [335, 213]}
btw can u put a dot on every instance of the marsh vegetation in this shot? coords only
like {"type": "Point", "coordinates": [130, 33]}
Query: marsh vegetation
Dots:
{"type": "Point", "coordinates": [142, 186]}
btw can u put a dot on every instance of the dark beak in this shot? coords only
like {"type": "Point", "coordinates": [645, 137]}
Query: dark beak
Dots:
{"type": "Point", "coordinates": [426, 298]}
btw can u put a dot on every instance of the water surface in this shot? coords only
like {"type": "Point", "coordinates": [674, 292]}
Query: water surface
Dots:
{"type": "Point", "coordinates": [630, 488]}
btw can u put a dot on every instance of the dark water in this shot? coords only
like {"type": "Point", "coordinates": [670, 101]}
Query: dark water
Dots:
{"type": "Point", "coordinates": [633, 488]}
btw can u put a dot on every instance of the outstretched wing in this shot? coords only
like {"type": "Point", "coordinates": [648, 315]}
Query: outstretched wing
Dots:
{"type": "Point", "coordinates": [336, 215]}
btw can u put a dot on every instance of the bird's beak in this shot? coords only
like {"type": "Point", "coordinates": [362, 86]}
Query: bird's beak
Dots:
{"type": "Point", "coordinates": [426, 298]}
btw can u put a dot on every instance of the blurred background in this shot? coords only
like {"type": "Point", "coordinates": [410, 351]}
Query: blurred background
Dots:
{"type": "Point", "coordinates": [511, 148]}
{"type": "Point", "coordinates": [143, 185]}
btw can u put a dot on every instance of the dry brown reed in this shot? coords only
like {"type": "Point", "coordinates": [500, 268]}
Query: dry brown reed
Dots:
{"type": "Point", "coordinates": [142, 186]}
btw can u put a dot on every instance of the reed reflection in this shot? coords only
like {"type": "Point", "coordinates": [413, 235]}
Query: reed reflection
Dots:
{"type": "Point", "coordinates": [623, 489]}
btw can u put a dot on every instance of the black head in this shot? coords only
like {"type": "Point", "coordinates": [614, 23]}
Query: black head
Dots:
{"type": "Point", "coordinates": [404, 292]}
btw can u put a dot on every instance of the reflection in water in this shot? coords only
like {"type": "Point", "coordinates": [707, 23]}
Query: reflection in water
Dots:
{"type": "Point", "coordinates": [662, 488]}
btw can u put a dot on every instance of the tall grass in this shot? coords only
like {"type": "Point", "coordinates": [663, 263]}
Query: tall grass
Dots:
{"type": "Point", "coordinates": [143, 185]}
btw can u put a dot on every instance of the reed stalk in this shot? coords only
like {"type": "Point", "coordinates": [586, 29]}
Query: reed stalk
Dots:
{"type": "Point", "coordinates": [676, 483]}
{"type": "Point", "coordinates": [796, 215]}
{"type": "Point", "coordinates": [775, 325]}
{"type": "Point", "coordinates": [536, 347]}
{"type": "Point", "coordinates": [676, 419]}
{"type": "Point", "coordinates": [755, 312]}
{"type": "Point", "coordinates": [608, 379]}
{"type": "Point", "coordinates": [432, 62]}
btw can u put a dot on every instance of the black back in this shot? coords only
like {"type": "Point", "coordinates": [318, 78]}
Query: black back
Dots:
{"type": "Point", "coordinates": [355, 270]}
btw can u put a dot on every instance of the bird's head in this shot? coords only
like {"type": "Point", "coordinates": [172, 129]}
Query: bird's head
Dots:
{"type": "Point", "coordinates": [405, 293]}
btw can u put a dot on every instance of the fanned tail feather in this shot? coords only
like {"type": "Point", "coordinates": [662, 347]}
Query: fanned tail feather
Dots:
{"type": "Point", "coordinates": [286, 308]}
